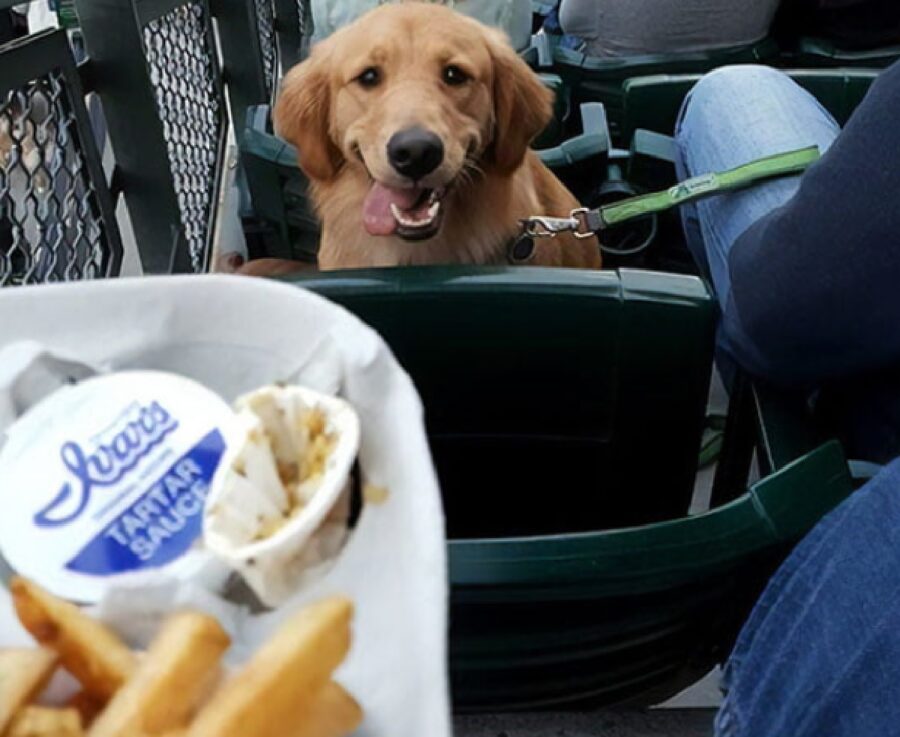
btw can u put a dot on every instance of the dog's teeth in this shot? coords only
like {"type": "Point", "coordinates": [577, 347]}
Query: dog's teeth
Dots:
{"type": "Point", "coordinates": [401, 218]}
{"type": "Point", "coordinates": [409, 222]}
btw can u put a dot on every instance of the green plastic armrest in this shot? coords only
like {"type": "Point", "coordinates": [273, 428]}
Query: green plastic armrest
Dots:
{"type": "Point", "coordinates": [539, 53]}
{"type": "Point", "coordinates": [821, 47]}
{"type": "Point", "coordinates": [653, 146]}
{"type": "Point", "coordinates": [550, 81]}
{"type": "Point", "coordinates": [777, 510]}
{"type": "Point", "coordinates": [652, 160]}
{"type": "Point", "coordinates": [593, 141]}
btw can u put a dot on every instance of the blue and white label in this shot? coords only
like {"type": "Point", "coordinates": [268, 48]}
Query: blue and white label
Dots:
{"type": "Point", "coordinates": [159, 526]}
{"type": "Point", "coordinates": [109, 477]}
{"type": "Point", "coordinates": [107, 464]}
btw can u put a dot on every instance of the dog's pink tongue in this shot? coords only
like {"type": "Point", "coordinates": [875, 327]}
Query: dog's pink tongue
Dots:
{"type": "Point", "coordinates": [377, 216]}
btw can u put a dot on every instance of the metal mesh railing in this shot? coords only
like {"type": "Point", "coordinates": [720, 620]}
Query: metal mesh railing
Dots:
{"type": "Point", "coordinates": [265, 28]}
{"type": "Point", "coordinates": [305, 22]}
{"type": "Point", "coordinates": [183, 75]}
{"type": "Point", "coordinates": [51, 228]}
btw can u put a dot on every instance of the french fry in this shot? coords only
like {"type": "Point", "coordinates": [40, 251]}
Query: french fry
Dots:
{"type": "Point", "coordinates": [86, 705]}
{"type": "Point", "coordinates": [45, 721]}
{"type": "Point", "coordinates": [177, 673]}
{"type": "Point", "coordinates": [87, 649]}
{"type": "Point", "coordinates": [23, 674]}
{"type": "Point", "coordinates": [294, 665]}
{"type": "Point", "coordinates": [284, 691]}
{"type": "Point", "coordinates": [332, 712]}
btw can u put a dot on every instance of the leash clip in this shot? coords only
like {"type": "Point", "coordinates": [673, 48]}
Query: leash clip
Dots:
{"type": "Point", "coordinates": [582, 228]}
{"type": "Point", "coordinates": [541, 226]}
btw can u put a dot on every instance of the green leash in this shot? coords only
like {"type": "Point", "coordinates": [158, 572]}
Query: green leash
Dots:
{"type": "Point", "coordinates": [585, 223]}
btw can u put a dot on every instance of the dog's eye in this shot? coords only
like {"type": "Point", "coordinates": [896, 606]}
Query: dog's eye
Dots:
{"type": "Point", "coordinates": [370, 77]}
{"type": "Point", "coordinates": [453, 75]}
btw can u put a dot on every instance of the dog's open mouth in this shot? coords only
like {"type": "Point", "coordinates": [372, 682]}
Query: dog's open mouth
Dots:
{"type": "Point", "coordinates": [413, 214]}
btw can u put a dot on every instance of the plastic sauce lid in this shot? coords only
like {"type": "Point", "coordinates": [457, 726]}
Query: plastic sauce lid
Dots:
{"type": "Point", "coordinates": [108, 477]}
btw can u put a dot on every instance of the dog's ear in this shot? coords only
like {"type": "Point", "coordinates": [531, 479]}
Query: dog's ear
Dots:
{"type": "Point", "coordinates": [523, 106]}
{"type": "Point", "coordinates": [302, 116]}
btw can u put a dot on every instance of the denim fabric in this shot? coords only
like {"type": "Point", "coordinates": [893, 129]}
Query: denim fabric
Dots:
{"type": "Point", "coordinates": [820, 654]}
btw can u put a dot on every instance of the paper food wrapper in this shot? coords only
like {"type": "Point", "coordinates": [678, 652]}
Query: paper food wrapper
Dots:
{"type": "Point", "coordinates": [234, 334]}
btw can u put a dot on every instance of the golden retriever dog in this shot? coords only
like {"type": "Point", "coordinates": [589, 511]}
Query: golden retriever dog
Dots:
{"type": "Point", "coordinates": [413, 125]}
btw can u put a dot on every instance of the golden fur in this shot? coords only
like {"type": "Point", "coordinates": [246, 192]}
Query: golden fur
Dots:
{"type": "Point", "coordinates": [486, 124]}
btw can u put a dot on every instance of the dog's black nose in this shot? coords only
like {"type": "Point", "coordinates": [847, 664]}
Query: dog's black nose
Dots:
{"type": "Point", "coordinates": [415, 152]}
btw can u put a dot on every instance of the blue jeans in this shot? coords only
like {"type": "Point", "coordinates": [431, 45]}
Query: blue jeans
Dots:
{"type": "Point", "coordinates": [732, 116]}
{"type": "Point", "coordinates": [820, 654]}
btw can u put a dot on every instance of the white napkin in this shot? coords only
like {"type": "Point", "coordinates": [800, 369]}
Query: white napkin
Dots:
{"type": "Point", "coordinates": [234, 334]}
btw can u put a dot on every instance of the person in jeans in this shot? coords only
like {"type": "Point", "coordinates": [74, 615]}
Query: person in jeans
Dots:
{"type": "Point", "coordinates": [806, 269]}
{"type": "Point", "coordinates": [807, 274]}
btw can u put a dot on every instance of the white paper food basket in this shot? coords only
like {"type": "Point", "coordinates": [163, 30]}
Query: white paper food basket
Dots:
{"type": "Point", "coordinates": [234, 334]}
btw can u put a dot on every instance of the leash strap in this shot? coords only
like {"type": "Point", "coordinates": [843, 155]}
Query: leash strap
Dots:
{"type": "Point", "coordinates": [584, 223]}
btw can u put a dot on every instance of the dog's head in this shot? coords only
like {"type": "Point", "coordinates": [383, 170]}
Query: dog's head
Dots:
{"type": "Point", "coordinates": [417, 99]}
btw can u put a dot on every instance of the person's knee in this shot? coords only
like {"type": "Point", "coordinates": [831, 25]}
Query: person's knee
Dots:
{"type": "Point", "coordinates": [739, 75]}
{"type": "Point", "coordinates": [727, 83]}
{"type": "Point", "coordinates": [718, 92]}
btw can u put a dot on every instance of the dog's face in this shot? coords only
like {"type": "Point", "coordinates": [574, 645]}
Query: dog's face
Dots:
{"type": "Point", "coordinates": [415, 100]}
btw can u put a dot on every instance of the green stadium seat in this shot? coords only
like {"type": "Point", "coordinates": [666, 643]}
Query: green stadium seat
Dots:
{"type": "Point", "coordinates": [600, 79]}
{"type": "Point", "coordinates": [652, 102]}
{"type": "Point", "coordinates": [625, 615]}
{"type": "Point", "coordinates": [562, 379]}
{"type": "Point", "coordinates": [565, 411]}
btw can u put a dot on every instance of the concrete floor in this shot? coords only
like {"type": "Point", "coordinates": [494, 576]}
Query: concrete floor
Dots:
{"type": "Point", "coordinates": [615, 723]}
{"type": "Point", "coordinates": [689, 714]}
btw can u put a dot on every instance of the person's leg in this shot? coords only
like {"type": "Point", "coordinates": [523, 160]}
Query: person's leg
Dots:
{"type": "Point", "coordinates": [819, 654]}
{"type": "Point", "coordinates": [732, 116]}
